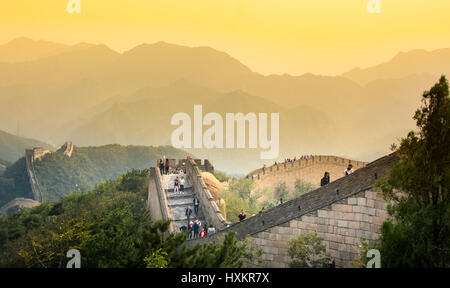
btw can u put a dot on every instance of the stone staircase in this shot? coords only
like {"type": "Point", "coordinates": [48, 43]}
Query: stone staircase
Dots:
{"type": "Point", "coordinates": [178, 202]}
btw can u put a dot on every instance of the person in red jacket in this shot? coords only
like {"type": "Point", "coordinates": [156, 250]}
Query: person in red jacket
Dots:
{"type": "Point", "coordinates": [167, 166]}
{"type": "Point", "coordinates": [203, 233]}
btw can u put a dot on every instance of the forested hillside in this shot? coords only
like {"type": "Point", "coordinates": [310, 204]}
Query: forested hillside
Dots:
{"type": "Point", "coordinates": [111, 227]}
{"type": "Point", "coordinates": [59, 175]}
{"type": "Point", "coordinates": [14, 182]}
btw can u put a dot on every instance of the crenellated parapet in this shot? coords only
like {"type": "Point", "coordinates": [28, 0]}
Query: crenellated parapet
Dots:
{"type": "Point", "coordinates": [212, 212]}
{"type": "Point", "coordinates": [181, 164]}
{"type": "Point", "coordinates": [309, 169]}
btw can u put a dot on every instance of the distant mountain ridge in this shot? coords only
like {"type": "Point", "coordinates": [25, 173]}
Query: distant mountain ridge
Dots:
{"type": "Point", "coordinates": [25, 49]}
{"type": "Point", "coordinates": [87, 96]}
{"type": "Point", "coordinates": [13, 147]}
{"type": "Point", "coordinates": [414, 62]}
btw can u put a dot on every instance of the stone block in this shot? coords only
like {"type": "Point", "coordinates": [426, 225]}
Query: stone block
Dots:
{"type": "Point", "coordinates": [381, 213]}
{"type": "Point", "coordinates": [333, 245]}
{"type": "Point", "coordinates": [322, 228]}
{"type": "Point", "coordinates": [267, 257]}
{"type": "Point", "coordinates": [353, 224]}
{"type": "Point", "coordinates": [342, 208]}
{"type": "Point", "coordinates": [356, 209]}
{"type": "Point", "coordinates": [323, 213]}
{"type": "Point", "coordinates": [349, 216]}
{"type": "Point", "coordinates": [362, 201]}
{"type": "Point", "coordinates": [342, 223]}
{"type": "Point", "coordinates": [350, 240]}
{"type": "Point", "coordinates": [352, 201]}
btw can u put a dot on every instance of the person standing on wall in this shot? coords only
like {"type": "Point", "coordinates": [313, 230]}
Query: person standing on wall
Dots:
{"type": "Point", "coordinates": [242, 216]}
{"type": "Point", "coordinates": [325, 180]}
{"type": "Point", "coordinates": [188, 214]}
{"type": "Point", "coordinates": [349, 170]}
{"type": "Point", "coordinates": [211, 230]}
{"type": "Point", "coordinates": [196, 228]}
{"type": "Point", "coordinates": [182, 184]}
{"type": "Point", "coordinates": [196, 204]}
{"type": "Point", "coordinates": [167, 166]}
{"type": "Point", "coordinates": [176, 185]}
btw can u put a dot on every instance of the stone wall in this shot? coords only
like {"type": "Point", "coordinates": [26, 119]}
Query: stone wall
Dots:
{"type": "Point", "coordinates": [181, 164]}
{"type": "Point", "coordinates": [310, 170]}
{"type": "Point", "coordinates": [30, 156]}
{"type": "Point", "coordinates": [209, 207]}
{"type": "Point", "coordinates": [69, 149]}
{"type": "Point", "coordinates": [157, 201]}
{"type": "Point", "coordinates": [342, 225]}
{"type": "Point", "coordinates": [342, 213]}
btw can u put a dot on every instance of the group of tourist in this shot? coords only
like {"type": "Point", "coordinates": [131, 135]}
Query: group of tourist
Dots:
{"type": "Point", "coordinates": [195, 228]}
{"type": "Point", "coordinates": [178, 184]}
{"type": "Point", "coordinates": [326, 177]}
{"type": "Point", "coordinates": [164, 165]}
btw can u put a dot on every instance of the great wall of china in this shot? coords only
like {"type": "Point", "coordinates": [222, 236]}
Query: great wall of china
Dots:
{"type": "Point", "coordinates": [309, 169]}
{"type": "Point", "coordinates": [34, 154]}
{"type": "Point", "coordinates": [343, 213]}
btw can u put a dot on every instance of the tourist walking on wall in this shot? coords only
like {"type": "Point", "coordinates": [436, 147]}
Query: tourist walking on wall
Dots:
{"type": "Point", "coordinates": [182, 184]}
{"type": "Point", "coordinates": [191, 229]}
{"type": "Point", "coordinates": [196, 204]}
{"type": "Point", "coordinates": [176, 185]}
{"type": "Point", "coordinates": [349, 170]}
{"type": "Point", "coordinates": [188, 213]}
{"type": "Point", "coordinates": [242, 216]}
{"type": "Point", "coordinates": [325, 180]}
{"type": "Point", "coordinates": [161, 166]}
{"type": "Point", "coordinates": [280, 202]}
{"type": "Point", "coordinates": [211, 230]}
{"type": "Point", "coordinates": [196, 227]}
{"type": "Point", "coordinates": [167, 166]}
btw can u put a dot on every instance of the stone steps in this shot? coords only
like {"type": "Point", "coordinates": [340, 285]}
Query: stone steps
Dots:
{"type": "Point", "coordinates": [178, 202]}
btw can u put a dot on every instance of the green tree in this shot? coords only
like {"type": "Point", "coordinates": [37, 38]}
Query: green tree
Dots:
{"type": "Point", "coordinates": [302, 188]}
{"type": "Point", "coordinates": [242, 188]}
{"type": "Point", "coordinates": [418, 233]}
{"type": "Point", "coordinates": [158, 259]}
{"type": "Point", "coordinates": [307, 251]}
{"type": "Point", "coordinates": [281, 191]}
{"type": "Point", "coordinates": [49, 249]}
{"type": "Point", "coordinates": [230, 253]}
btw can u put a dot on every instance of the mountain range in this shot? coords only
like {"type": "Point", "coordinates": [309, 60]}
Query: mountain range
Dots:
{"type": "Point", "coordinates": [94, 95]}
{"type": "Point", "coordinates": [13, 147]}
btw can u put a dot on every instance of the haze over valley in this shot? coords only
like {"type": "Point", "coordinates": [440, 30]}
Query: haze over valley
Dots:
{"type": "Point", "coordinates": [93, 95]}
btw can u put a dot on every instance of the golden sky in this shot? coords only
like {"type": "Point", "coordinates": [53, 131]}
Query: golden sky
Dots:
{"type": "Point", "coordinates": [269, 36]}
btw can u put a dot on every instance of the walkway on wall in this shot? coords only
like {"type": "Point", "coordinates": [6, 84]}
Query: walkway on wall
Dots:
{"type": "Point", "coordinates": [178, 202]}
{"type": "Point", "coordinates": [361, 180]}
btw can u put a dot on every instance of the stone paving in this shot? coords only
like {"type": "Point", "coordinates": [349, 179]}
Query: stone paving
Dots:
{"type": "Point", "coordinates": [178, 202]}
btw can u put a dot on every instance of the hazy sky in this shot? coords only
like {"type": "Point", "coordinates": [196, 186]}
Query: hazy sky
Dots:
{"type": "Point", "coordinates": [269, 36]}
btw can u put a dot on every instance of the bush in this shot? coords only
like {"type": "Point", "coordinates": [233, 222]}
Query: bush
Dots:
{"type": "Point", "coordinates": [307, 251]}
